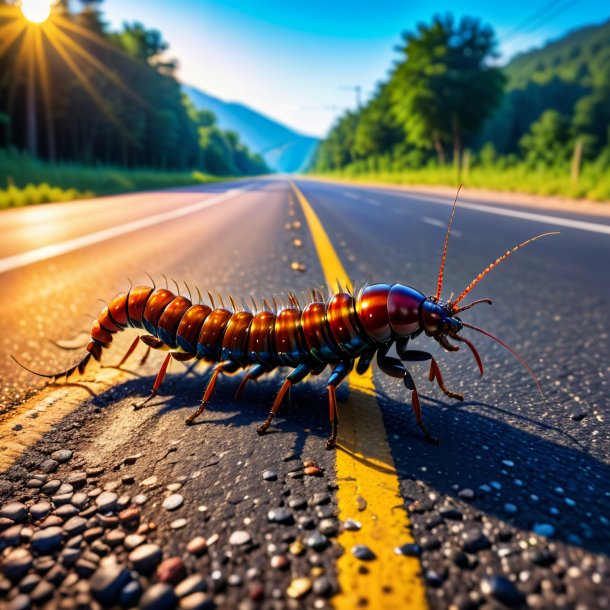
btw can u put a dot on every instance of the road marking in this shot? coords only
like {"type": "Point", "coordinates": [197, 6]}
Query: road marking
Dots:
{"type": "Point", "coordinates": [351, 195]}
{"type": "Point", "coordinates": [366, 473]}
{"type": "Point", "coordinates": [33, 256]}
{"type": "Point", "coordinates": [560, 221]}
{"type": "Point", "coordinates": [441, 225]}
{"type": "Point", "coordinates": [373, 202]}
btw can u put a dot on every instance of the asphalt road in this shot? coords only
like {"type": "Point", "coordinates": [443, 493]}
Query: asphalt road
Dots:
{"type": "Point", "coordinates": [538, 468]}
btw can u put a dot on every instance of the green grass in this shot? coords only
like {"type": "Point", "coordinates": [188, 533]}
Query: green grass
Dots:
{"type": "Point", "coordinates": [594, 182]}
{"type": "Point", "coordinates": [26, 181]}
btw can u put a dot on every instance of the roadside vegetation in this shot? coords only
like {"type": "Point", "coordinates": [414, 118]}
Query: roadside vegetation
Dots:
{"type": "Point", "coordinates": [114, 120]}
{"type": "Point", "coordinates": [447, 115]}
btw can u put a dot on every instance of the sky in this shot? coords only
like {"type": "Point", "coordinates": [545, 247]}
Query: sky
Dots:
{"type": "Point", "coordinates": [298, 62]}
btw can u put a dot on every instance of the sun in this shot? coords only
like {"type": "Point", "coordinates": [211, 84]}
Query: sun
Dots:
{"type": "Point", "coordinates": [36, 11]}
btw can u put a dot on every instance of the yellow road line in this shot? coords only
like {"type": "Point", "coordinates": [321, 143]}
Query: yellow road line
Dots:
{"type": "Point", "coordinates": [369, 489]}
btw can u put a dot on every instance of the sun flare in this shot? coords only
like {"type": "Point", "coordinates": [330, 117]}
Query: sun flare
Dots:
{"type": "Point", "coordinates": [36, 11]}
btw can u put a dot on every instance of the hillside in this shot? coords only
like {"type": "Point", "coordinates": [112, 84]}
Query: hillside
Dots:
{"type": "Point", "coordinates": [283, 149]}
{"type": "Point", "coordinates": [555, 76]}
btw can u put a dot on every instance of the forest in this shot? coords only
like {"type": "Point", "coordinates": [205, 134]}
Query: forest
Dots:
{"type": "Point", "coordinates": [73, 91]}
{"type": "Point", "coordinates": [449, 113]}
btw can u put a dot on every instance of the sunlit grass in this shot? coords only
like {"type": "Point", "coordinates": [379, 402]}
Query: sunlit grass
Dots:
{"type": "Point", "coordinates": [593, 184]}
{"type": "Point", "coordinates": [25, 181]}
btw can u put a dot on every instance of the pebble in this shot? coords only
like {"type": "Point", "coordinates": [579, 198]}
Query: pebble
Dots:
{"type": "Point", "coordinates": [140, 499]}
{"type": "Point", "coordinates": [16, 564]}
{"type": "Point", "coordinates": [49, 466]}
{"type": "Point", "coordinates": [475, 540]}
{"type": "Point", "coordinates": [48, 540]}
{"type": "Point", "coordinates": [62, 456]}
{"type": "Point", "coordinates": [171, 570]}
{"type": "Point", "coordinates": [297, 503]}
{"type": "Point", "coordinates": [130, 516]}
{"type": "Point", "coordinates": [133, 540]}
{"type": "Point", "coordinates": [131, 459]}
{"type": "Point", "coordinates": [75, 526]}
{"type": "Point", "coordinates": [313, 471]}
{"type": "Point", "coordinates": [174, 487]}
{"type": "Point", "coordinates": [322, 586]}
{"type": "Point", "coordinates": [351, 525]}
{"type": "Point", "coordinates": [270, 475]}
{"type": "Point", "coordinates": [239, 538]}
{"type": "Point", "coordinates": [362, 552]}
{"type": "Point", "coordinates": [16, 511]}
{"type": "Point", "coordinates": [107, 583]}
{"type": "Point", "coordinates": [79, 500]}
{"type": "Point", "coordinates": [197, 601]}
{"type": "Point", "coordinates": [173, 502]}
{"type": "Point", "coordinates": [178, 524]}
{"type": "Point", "coordinates": [158, 597]}
{"type": "Point", "coordinates": [19, 602]}
{"type": "Point", "coordinates": [77, 479]}
{"type": "Point", "coordinates": [279, 562]}
{"type": "Point", "coordinates": [317, 542]}
{"type": "Point", "coordinates": [319, 499]}
{"type": "Point", "coordinates": [328, 527]}
{"type": "Point", "coordinates": [197, 545]}
{"type": "Point", "coordinates": [149, 481]}
{"type": "Point", "coordinates": [510, 509]}
{"type": "Point", "coordinates": [106, 501]}
{"type": "Point", "coordinates": [190, 585]}
{"type": "Point", "coordinates": [44, 590]}
{"type": "Point", "coordinates": [409, 550]}
{"type": "Point", "coordinates": [299, 587]}
{"type": "Point", "coordinates": [130, 594]}
{"type": "Point", "coordinates": [503, 590]}
{"type": "Point", "coordinates": [543, 529]}
{"type": "Point", "coordinates": [40, 510]}
{"type": "Point", "coordinates": [280, 515]}
{"type": "Point", "coordinates": [145, 557]}
{"type": "Point", "coordinates": [466, 494]}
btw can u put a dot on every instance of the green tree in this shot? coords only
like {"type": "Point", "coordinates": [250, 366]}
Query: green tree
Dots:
{"type": "Point", "coordinates": [549, 140]}
{"type": "Point", "coordinates": [444, 88]}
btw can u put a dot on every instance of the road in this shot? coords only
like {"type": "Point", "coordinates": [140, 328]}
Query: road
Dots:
{"type": "Point", "coordinates": [511, 508]}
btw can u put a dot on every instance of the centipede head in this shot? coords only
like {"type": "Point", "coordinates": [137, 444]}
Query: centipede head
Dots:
{"type": "Point", "coordinates": [440, 318]}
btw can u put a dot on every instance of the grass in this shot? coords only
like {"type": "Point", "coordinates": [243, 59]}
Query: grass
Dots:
{"type": "Point", "coordinates": [593, 184]}
{"type": "Point", "coordinates": [29, 181]}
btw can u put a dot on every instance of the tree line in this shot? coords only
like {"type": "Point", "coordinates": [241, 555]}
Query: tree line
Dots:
{"type": "Point", "coordinates": [447, 101]}
{"type": "Point", "coordinates": [73, 90]}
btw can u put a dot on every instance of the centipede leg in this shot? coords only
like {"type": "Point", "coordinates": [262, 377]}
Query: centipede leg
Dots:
{"type": "Point", "coordinates": [225, 367]}
{"type": "Point", "coordinates": [145, 356]}
{"type": "Point", "coordinates": [254, 374]}
{"type": "Point", "coordinates": [435, 373]}
{"type": "Point", "coordinates": [297, 375]}
{"type": "Point", "coordinates": [128, 353]}
{"type": "Point", "coordinates": [339, 373]}
{"type": "Point", "coordinates": [410, 384]}
{"type": "Point", "coordinates": [158, 382]}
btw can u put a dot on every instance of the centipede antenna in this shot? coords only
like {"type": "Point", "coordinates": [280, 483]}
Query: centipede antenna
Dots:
{"type": "Point", "coordinates": [151, 280]}
{"type": "Point", "coordinates": [211, 300]}
{"type": "Point", "coordinates": [199, 294]}
{"type": "Point", "coordinates": [439, 285]}
{"type": "Point", "coordinates": [130, 283]}
{"type": "Point", "coordinates": [104, 302]}
{"type": "Point", "coordinates": [222, 303]}
{"type": "Point", "coordinates": [189, 292]}
{"type": "Point", "coordinates": [477, 302]}
{"type": "Point", "coordinates": [510, 349]}
{"type": "Point", "coordinates": [54, 377]}
{"type": "Point", "coordinates": [233, 303]}
{"type": "Point", "coordinates": [65, 347]}
{"type": "Point", "coordinates": [496, 262]}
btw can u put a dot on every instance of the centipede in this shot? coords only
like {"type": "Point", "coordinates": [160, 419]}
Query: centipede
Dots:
{"type": "Point", "coordinates": [340, 330]}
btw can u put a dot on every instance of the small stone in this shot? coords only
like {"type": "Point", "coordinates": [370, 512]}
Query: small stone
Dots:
{"type": "Point", "coordinates": [174, 487]}
{"type": "Point", "coordinates": [409, 550]}
{"type": "Point", "coordinates": [133, 540]}
{"type": "Point", "coordinates": [47, 541]}
{"type": "Point", "coordinates": [131, 459]}
{"type": "Point", "coordinates": [171, 570]}
{"type": "Point", "coordinates": [578, 416]}
{"type": "Point", "coordinates": [16, 564]}
{"type": "Point", "coordinates": [197, 601]}
{"type": "Point", "coordinates": [313, 471]}
{"type": "Point", "coordinates": [256, 590]}
{"type": "Point", "coordinates": [75, 526]}
{"type": "Point", "coordinates": [328, 527]}
{"type": "Point", "coordinates": [106, 501]}
{"type": "Point", "coordinates": [270, 475]}
{"type": "Point", "coordinates": [62, 456]}
{"type": "Point", "coordinates": [510, 508]}
{"type": "Point", "coordinates": [451, 513]}
{"type": "Point", "coordinates": [145, 557]}
{"type": "Point", "coordinates": [362, 552]}
{"type": "Point", "coordinates": [475, 540]}
{"type": "Point", "coordinates": [114, 537]}
{"type": "Point", "coordinates": [234, 580]}
{"type": "Point", "coordinates": [280, 515]}
{"type": "Point", "coordinates": [19, 602]}
{"type": "Point", "coordinates": [322, 586]}
{"type": "Point", "coordinates": [49, 466]}
{"type": "Point", "coordinates": [107, 583]}
{"type": "Point", "coordinates": [543, 529]}
{"type": "Point", "coordinates": [503, 590]}
{"type": "Point", "coordinates": [130, 516]}
{"type": "Point", "coordinates": [319, 499]}
{"type": "Point", "coordinates": [66, 511]}
{"type": "Point", "coordinates": [192, 584]}
{"type": "Point", "coordinates": [149, 482]}
{"type": "Point", "coordinates": [77, 479]}
{"type": "Point", "coordinates": [197, 545]}
{"type": "Point", "coordinates": [296, 548]}
{"type": "Point", "coordinates": [351, 525]}
{"type": "Point", "coordinates": [158, 597]}
{"type": "Point", "coordinates": [299, 587]}
{"type": "Point", "coordinates": [466, 494]}
{"type": "Point", "coordinates": [15, 511]}
{"type": "Point", "coordinates": [173, 502]}
{"type": "Point", "coordinates": [239, 538]}
{"type": "Point", "coordinates": [178, 524]}
{"type": "Point", "coordinates": [130, 594]}
{"type": "Point", "coordinates": [508, 463]}
{"type": "Point", "coordinates": [40, 510]}
{"type": "Point", "coordinates": [279, 562]}
{"type": "Point", "coordinates": [140, 499]}
{"type": "Point", "coordinates": [297, 503]}
{"type": "Point", "coordinates": [317, 541]}
{"type": "Point", "coordinates": [51, 487]}
{"type": "Point", "coordinates": [79, 500]}
{"type": "Point", "coordinates": [542, 557]}
{"type": "Point", "coordinates": [44, 591]}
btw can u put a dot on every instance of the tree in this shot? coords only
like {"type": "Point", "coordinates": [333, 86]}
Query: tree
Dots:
{"type": "Point", "coordinates": [444, 88]}
{"type": "Point", "coordinates": [549, 140]}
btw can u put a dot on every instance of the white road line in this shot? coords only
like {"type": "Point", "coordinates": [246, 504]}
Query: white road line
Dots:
{"type": "Point", "coordinates": [583, 225]}
{"type": "Point", "coordinates": [373, 202]}
{"type": "Point", "coordinates": [441, 225]}
{"type": "Point", "coordinates": [351, 195]}
{"type": "Point", "coordinates": [33, 256]}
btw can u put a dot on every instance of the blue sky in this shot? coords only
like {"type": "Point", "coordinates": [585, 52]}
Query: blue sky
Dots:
{"type": "Point", "coordinates": [294, 60]}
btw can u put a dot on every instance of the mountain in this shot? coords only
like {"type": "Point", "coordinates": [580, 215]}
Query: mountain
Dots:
{"type": "Point", "coordinates": [555, 76]}
{"type": "Point", "coordinates": [283, 149]}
